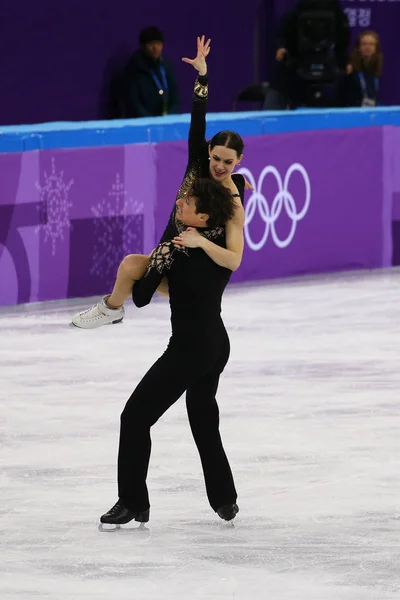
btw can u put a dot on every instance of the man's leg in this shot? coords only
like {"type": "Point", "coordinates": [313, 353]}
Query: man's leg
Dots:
{"type": "Point", "coordinates": [161, 387]}
{"type": "Point", "coordinates": [203, 415]}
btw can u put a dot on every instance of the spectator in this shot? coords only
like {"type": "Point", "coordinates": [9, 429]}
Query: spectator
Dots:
{"type": "Point", "coordinates": [150, 82]}
{"type": "Point", "coordinates": [364, 72]}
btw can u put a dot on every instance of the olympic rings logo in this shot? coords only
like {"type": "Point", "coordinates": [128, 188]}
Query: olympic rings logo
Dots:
{"type": "Point", "coordinates": [283, 200]}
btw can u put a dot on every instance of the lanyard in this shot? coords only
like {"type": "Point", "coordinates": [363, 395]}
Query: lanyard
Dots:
{"type": "Point", "coordinates": [363, 84]}
{"type": "Point", "coordinates": [164, 85]}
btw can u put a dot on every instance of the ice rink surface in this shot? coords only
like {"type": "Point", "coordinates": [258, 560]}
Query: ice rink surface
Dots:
{"type": "Point", "coordinates": [310, 417]}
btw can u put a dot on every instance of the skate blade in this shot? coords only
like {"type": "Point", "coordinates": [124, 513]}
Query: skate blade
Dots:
{"type": "Point", "coordinates": [72, 324]}
{"type": "Point", "coordinates": [109, 528]}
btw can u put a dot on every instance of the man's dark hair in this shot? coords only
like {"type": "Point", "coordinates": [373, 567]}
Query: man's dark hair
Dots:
{"type": "Point", "coordinates": [213, 199]}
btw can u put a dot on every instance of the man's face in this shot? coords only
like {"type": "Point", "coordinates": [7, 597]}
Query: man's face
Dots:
{"type": "Point", "coordinates": [154, 49]}
{"type": "Point", "coordinates": [186, 211]}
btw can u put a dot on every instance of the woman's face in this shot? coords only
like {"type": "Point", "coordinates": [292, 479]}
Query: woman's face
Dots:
{"type": "Point", "coordinates": [222, 162]}
{"type": "Point", "coordinates": [368, 46]}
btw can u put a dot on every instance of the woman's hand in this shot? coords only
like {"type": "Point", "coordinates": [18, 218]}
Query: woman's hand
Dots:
{"type": "Point", "coordinates": [280, 54]}
{"type": "Point", "coordinates": [203, 50]}
{"type": "Point", "coordinates": [190, 238]}
{"type": "Point", "coordinates": [247, 185]}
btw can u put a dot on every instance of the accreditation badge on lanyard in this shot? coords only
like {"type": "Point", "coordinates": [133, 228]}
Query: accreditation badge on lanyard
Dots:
{"type": "Point", "coordinates": [366, 101]}
{"type": "Point", "coordinates": [162, 87]}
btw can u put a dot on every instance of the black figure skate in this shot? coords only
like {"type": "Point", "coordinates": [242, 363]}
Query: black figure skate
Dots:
{"type": "Point", "coordinates": [120, 515]}
{"type": "Point", "coordinates": [228, 512]}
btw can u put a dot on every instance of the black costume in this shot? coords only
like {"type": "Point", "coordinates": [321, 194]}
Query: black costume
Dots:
{"type": "Point", "coordinates": [296, 89]}
{"type": "Point", "coordinates": [196, 355]}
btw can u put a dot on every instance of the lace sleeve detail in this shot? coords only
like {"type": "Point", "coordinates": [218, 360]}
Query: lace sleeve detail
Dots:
{"type": "Point", "coordinates": [159, 265]}
{"type": "Point", "coordinates": [163, 257]}
{"type": "Point", "coordinates": [201, 88]}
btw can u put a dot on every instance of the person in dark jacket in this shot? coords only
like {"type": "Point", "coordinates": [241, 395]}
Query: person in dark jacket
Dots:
{"type": "Point", "coordinates": [287, 33]}
{"type": "Point", "coordinates": [150, 81]}
{"type": "Point", "coordinates": [288, 58]}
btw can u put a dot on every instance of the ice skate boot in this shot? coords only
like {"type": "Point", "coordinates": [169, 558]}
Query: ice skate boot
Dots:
{"type": "Point", "coordinates": [98, 315]}
{"type": "Point", "coordinates": [120, 515]}
{"type": "Point", "coordinates": [228, 512]}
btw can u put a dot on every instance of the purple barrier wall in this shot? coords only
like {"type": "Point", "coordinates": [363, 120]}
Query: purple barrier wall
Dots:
{"type": "Point", "coordinates": [310, 211]}
{"type": "Point", "coordinates": [309, 195]}
{"type": "Point", "coordinates": [394, 151]}
{"type": "Point", "coordinates": [395, 140]}
{"type": "Point", "coordinates": [323, 202]}
{"type": "Point", "coordinates": [67, 218]}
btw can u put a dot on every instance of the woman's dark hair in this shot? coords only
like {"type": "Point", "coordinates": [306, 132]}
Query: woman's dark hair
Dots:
{"type": "Point", "coordinates": [229, 139]}
{"type": "Point", "coordinates": [373, 66]}
{"type": "Point", "coordinates": [213, 199]}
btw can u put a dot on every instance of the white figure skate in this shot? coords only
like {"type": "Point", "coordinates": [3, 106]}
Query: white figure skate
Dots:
{"type": "Point", "coordinates": [98, 315]}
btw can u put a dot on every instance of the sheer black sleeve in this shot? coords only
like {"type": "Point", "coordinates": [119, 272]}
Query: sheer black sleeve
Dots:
{"type": "Point", "coordinates": [197, 146]}
{"type": "Point", "coordinates": [197, 131]}
{"type": "Point", "coordinates": [160, 263]}
{"type": "Point", "coordinates": [240, 183]}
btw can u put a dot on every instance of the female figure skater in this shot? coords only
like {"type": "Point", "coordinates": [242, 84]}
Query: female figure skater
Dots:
{"type": "Point", "coordinates": [196, 284]}
{"type": "Point", "coordinates": [215, 160]}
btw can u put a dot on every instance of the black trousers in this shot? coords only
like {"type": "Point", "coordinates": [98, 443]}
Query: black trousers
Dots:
{"type": "Point", "coordinates": [189, 364]}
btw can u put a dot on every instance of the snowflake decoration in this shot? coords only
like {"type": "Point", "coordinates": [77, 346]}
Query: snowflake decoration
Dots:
{"type": "Point", "coordinates": [55, 205]}
{"type": "Point", "coordinates": [118, 231]}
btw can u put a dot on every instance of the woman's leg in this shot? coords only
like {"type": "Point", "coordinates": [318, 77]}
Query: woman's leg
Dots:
{"type": "Point", "coordinates": [110, 309]}
{"type": "Point", "coordinates": [132, 268]}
